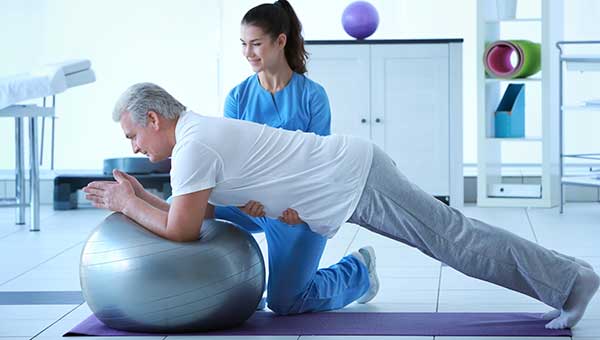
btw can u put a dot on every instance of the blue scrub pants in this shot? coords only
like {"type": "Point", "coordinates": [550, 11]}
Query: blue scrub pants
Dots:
{"type": "Point", "coordinates": [295, 284]}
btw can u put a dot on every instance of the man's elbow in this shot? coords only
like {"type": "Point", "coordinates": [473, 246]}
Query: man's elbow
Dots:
{"type": "Point", "coordinates": [183, 234]}
{"type": "Point", "coordinates": [182, 237]}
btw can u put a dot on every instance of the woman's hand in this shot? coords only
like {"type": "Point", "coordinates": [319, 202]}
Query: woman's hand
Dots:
{"type": "Point", "coordinates": [254, 209]}
{"type": "Point", "coordinates": [290, 216]}
{"type": "Point", "coordinates": [111, 195]}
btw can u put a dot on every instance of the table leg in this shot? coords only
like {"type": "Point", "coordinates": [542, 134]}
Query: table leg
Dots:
{"type": "Point", "coordinates": [19, 170]}
{"type": "Point", "coordinates": [34, 176]}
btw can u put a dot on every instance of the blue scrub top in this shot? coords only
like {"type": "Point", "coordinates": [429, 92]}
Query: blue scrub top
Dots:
{"type": "Point", "coordinates": [301, 105]}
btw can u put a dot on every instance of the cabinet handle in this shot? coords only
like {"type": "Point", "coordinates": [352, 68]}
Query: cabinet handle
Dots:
{"type": "Point", "coordinates": [363, 120]}
{"type": "Point", "coordinates": [377, 120]}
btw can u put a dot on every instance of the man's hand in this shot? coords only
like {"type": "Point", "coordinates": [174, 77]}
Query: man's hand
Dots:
{"type": "Point", "coordinates": [254, 209]}
{"type": "Point", "coordinates": [290, 216]}
{"type": "Point", "coordinates": [140, 192]}
{"type": "Point", "coordinates": [135, 184]}
{"type": "Point", "coordinates": [110, 195]}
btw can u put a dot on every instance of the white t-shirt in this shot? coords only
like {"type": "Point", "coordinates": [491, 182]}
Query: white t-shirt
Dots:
{"type": "Point", "coordinates": [322, 178]}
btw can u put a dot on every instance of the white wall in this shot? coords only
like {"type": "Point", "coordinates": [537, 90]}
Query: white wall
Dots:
{"type": "Point", "coordinates": [174, 45]}
{"type": "Point", "coordinates": [581, 128]}
{"type": "Point", "coordinates": [19, 52]}
{"type": "Point", "coordinates": [192, 49]}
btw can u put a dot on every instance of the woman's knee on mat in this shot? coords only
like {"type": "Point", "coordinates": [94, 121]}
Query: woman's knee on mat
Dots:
{"type": "Point", "coordinates": [284, 305]}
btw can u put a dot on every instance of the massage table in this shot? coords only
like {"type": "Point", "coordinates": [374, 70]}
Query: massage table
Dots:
{"type": "Point", "coordinates": [46, 81]}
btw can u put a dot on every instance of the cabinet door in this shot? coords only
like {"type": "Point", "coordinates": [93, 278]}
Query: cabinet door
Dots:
{"type": "Point", "coordinates": [343, 70]}
{"type": "Point", "coordinates": [410, 111]}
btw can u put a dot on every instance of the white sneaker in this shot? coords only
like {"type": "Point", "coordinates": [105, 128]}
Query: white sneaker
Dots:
{"type": "Point", "coordinates": [367, 256]}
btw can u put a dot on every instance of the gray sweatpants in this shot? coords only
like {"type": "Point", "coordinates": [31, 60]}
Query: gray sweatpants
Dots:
{"type": "Point", "coordinates": [392, 206]}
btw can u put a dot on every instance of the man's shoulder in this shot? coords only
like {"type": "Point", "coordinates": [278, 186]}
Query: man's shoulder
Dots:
{"type": "Point", "coordinates": [193, 118]}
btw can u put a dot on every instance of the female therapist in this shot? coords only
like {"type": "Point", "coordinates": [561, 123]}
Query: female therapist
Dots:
{"type": "Point", "coordinates": [280, 95]}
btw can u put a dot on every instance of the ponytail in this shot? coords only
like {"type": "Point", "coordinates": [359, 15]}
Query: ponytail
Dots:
{"type": "Point", "coordinates": [278, 18]}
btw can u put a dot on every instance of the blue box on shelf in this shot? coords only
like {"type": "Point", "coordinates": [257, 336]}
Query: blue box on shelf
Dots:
{"type": "Point", "coordinates": [509, 119]}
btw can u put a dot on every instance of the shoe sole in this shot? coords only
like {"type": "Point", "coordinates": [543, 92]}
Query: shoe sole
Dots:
{"type": "Point", "coordinates": [372, 263]}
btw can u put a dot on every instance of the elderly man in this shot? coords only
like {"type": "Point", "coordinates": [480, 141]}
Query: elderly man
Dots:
{"type": "Point", "coordinates": [324, 181]}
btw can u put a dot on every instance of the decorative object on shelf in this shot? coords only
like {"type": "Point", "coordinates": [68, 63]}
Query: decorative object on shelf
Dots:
{"type": "Point", "coordinates": [509, 119]}
{"type": "Point", "coordinates": [506, 9]}
{"type": "Point", "coordinates": [497, 58]}
{"type": "Point", "coordinates": [360, 19]}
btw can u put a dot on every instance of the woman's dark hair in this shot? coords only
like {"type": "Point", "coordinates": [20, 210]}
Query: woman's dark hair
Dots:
{"type": "Point", "coordinates": [278, 18]}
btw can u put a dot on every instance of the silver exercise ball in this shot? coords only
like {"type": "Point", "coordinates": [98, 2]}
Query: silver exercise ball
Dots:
{"type": "Point", "coordinates": [134, 280]}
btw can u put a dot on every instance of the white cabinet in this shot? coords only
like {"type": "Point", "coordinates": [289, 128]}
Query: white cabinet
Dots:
{"type": "Point", "coordinates": [344, 71]}
{"type": "Point", "coordinates": [405, 96]}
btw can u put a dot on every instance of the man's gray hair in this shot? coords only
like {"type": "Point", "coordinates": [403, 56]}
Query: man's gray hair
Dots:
{"type": "Point", "coordinates": [141, 98]}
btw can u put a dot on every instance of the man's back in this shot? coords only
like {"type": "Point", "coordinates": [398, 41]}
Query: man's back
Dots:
{"type": "Point", "coordinates": [320, 177]}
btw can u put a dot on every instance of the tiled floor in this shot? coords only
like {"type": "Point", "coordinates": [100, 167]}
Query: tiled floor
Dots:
{"type": "Point", "coordinates": [410, 281]}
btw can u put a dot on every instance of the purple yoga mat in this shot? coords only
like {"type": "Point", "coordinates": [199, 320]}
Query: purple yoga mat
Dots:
{"type": "Point", "coordinates": [347, 323]}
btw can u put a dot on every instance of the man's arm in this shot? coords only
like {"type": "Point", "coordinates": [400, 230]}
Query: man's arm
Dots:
{"type": "Point", "coordinates": [154, 200]}
{"type": "Point", "coordinates": [182, 220]}
{"type": "Point", "coordinates": [142, 193]}
{"type": "Point", "coordinates": [210, 211]}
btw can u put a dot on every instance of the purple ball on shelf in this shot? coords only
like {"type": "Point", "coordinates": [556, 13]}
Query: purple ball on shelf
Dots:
{"type": "Point", "coordinates": [360, 19]}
